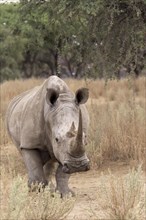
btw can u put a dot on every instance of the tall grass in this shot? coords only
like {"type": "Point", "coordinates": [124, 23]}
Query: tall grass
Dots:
{"type": "Point", "coordinates": [118, 123]}
{"type": "Point", "coordinates": [118, 131]}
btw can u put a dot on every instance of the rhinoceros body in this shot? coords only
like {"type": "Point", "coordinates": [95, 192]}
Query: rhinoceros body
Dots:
{"type": "Point", "coordinates": [48, 124]}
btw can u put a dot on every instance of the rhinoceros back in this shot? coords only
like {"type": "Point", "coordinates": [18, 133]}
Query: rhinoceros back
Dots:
{"type": "Point", "coordinates": [23, 117]}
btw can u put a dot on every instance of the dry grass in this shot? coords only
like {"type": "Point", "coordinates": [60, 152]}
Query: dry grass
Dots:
{"type": "Point", "coordinates": [121, 198]}
{"type": "Point", "coordinates": [117, 132]}
{"type": "Point", "coordinates": [118, 123]}
{"type": "Point", "coordinates": [19, 204]}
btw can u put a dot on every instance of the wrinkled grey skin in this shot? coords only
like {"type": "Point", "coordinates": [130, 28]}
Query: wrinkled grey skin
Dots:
{"type": "Point", "coordinates": [47, 124]}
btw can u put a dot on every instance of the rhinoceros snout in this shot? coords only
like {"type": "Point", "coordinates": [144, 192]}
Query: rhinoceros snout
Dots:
{"type": "Point", "coordinates": [70, 167]}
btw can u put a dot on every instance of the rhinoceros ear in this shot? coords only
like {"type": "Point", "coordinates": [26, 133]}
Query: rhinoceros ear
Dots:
{"type": "Point", "coordinates": [51, 96]}
{"type": "Point", "coordinates": [82, 95]}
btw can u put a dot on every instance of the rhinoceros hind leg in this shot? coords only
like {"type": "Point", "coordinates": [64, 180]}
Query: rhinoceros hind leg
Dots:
{"type": "Point", "coordinates": [34, 167]}
{"type": "Point", "coordinates": [62, 182]}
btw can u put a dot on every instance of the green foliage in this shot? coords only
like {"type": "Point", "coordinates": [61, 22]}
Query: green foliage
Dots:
{"type": "Point", "coordinates": [94, 37]}
{"type": "Point", "coordinates": [10, 44]}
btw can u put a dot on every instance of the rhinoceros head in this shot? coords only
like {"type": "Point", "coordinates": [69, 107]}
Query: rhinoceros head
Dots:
{"type": "Point", "coordinates": [64, 120]}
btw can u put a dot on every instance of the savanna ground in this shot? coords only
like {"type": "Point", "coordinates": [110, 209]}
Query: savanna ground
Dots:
{"type": "Point", "coordinates": [114, 188]}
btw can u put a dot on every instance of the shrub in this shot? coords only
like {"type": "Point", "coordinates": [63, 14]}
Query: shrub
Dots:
{"type": "Point", "coordinates": [122, 198]}
{"type": "Point", "coordinates": [23, 205]}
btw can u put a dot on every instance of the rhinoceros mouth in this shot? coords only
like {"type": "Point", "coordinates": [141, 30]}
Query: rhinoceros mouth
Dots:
{"type": "Point", "coordinates": [72, 167]}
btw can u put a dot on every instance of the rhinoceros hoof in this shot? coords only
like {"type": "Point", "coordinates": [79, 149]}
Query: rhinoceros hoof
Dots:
{"type": "Point", "coordinates": [36, 185]}
{"type": "Point", "coordinates": [65, 193]}
{"type": "Point", "coordinates": [51, 187]}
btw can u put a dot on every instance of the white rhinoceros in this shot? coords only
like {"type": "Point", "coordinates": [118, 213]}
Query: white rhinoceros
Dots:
{"type": "Point", "coordinates": [49, 124]}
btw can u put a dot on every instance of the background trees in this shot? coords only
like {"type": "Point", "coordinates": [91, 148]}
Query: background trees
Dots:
{"type": "Point", "coordinates": [72, 38]}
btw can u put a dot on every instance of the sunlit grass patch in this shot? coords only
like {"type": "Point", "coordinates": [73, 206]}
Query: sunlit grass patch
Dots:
{"type": "Point", "coordinates": [18, 203]}
{"type": "Point", "coordinates": [117, 132]}
{"type": "Point", "coordinates": [121, 198]}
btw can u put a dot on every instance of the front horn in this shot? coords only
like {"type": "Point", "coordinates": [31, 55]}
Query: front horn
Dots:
{"type": "Point", "coordinates": [78, 149]}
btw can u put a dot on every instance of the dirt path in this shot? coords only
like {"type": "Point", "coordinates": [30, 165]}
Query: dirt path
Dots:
{"type": "Point", "coordinates": [85, 186]}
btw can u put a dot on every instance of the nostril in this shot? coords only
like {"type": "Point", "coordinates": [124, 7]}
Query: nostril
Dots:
{"type": "Point", "coordinates": [87, 167]}
{"type": "Point", "coordinates": [66, 165]}
{"type": "Point", "coordinates": [56, 139]}
{"type": "Point", "coordinates": [65, 168]}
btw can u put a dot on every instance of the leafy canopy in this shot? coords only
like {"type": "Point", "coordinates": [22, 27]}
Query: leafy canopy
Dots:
{"type": "Point", "coordinates": [97, 36]}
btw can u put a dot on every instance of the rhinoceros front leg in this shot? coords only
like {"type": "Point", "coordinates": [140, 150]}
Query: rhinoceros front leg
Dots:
{"type": "Point", "coordinates": [34, 167]}
{"type": "Point", "coordinates": [62, 182]}
{"type": "Point", "coordinates": [48, 170]}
